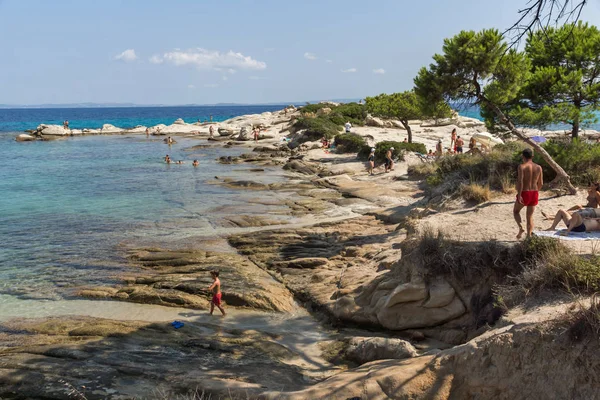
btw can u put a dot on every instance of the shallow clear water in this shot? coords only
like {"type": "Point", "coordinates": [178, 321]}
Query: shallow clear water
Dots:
{"type": "Point", "coordinates": [68, 208]}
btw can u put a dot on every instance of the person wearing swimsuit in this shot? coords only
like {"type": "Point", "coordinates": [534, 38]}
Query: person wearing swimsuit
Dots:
{"type": "Point", "coordinates": [529, 183]}
{"type": "Point", "coordinates": [586, 220]}
{"type": "Point", "coordinates": [371, 161]}
{"type": "Point", "coordinates": [215, 288]}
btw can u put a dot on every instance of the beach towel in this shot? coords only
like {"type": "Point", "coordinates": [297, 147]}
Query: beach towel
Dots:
{"type": "Point", "coordinates": [571, 236]}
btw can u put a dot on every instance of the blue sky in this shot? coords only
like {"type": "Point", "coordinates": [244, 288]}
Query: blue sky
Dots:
{"type": "Point", "coordinates": [201, 51]}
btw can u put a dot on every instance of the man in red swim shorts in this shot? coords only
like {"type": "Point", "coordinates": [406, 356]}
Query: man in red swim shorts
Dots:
{"type": "Point", "coordinates": [216, 291]}
{"type": "Point", "coordinates": [529, 183]}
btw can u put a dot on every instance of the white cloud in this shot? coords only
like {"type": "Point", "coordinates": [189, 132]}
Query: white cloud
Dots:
{"type": "Point", "coordinates": [127, 56]}
{"type": "Point", "coordinates": [156, 59]}
{"type": "Point", "coordinates": [209, 59]}
{"type": "Point", "coordinates": [191, 87]}
{"type": "Point", "coordinates": [349, 70]}
{"type": "Point", "coordinates": [225, 78]}
{"type": "Point", "coordinates": [379, 71]}
{"type": "Point", "coordinates": [310, 56]}
{"type": "Point", "coordinates": [328, 61]}
{"type": "Point", "coordinates": [211, 85]}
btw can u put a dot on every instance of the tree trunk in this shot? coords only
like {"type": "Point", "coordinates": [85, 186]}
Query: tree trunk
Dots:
{"type": "Point", "coordinates": [408, 130]}
{"type": "Point", "coordinates": [561, 175]}
{"type": "Point", "coordinates": [575, 131]}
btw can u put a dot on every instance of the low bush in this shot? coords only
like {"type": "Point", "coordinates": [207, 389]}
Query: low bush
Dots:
{"type": "Point", "coordinates": [351, 112]}
{"type": "Point", "coordinates": [422, 170]}
{"type": "Point", "coordinates": [349, 143]}
{"type": "Point", "coordinates": [316, 128]}
{"type": "Point", "coordinates": [579, 159]}
{"type": "Point", "coordinates": [313, 108]}
{"type": "Point", "coordinates": [476, 193]}
{"type": "Point", "coordinates": [399, 149]}
{"type": "Point", "coordinates": [550, 265]}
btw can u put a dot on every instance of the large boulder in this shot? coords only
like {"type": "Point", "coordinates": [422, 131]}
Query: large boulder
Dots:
{"type": "Point", "coordinates": [226, 130]}
{"type": "Point", "coordinates": [54, 130]}
{"type": "Point", "coordinates": [108, 128]}
{"type": "Point", "coordinates": [466, 122]}
{"type": "Point", "coordinates": [366, 349]}
{"type": "Point", "coordinates": [374, 121]}
{"type": "Point", "coordinates": [179, 121]}
{"type": "Point", "coordinates": [243, 134]}
{"type": "Point", "coordinates": [24, 138]}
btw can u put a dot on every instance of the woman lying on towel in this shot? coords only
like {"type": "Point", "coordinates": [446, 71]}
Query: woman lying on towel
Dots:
{"type": "Point", "coordinates": [586, 220]}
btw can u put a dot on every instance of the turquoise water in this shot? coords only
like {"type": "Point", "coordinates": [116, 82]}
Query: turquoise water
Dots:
{"type": "Point", "coordinates": [70, 207]}
{"type": "Point", "coordinates": [20, 119]}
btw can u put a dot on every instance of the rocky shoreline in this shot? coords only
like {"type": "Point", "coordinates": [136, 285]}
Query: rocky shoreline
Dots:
{"type": "Point", "coordinates": [391, 320]}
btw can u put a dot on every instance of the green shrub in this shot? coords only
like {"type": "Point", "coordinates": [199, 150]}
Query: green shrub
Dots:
{"type": "Point", "coordinates": [316, 128]}
{"type": "Point", "coordinates": [351, 112]}
{"type": "Point", "coordinates": [496, 169]}
{"type": "Point", "coordinates": [313, 108]}
{"type": "Point", "coordinates": [399, 149]}
{"type": "Point", "coordinates": [349, 143]}
{"type": "Point", "coordinates": [580, 160]}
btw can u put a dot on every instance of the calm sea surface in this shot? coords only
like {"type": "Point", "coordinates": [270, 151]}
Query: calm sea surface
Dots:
{"type": "Point", "coordinates": [68, 208]}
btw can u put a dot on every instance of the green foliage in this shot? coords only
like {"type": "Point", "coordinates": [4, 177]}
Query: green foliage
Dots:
{"type": "Point", "coordinates": [318, 127]}
{"type": "Point", "coordinates": [565, 81]}
{"type": "Point", "coordinates": [579, 159]}
{"type": "Point", "coordinates": [349, 143]}
{"type": "Point", "coordinates": [562, 82]}
{"type": "Point", "coordinates": [353, 112]}
{"type": "Point", "coordinates": [473, 66]}
{"type": "Point", "coordinates": [399, 149]}
{"type": "Point", "coordinates": [403, 106]}
{"type": "Point", "coordinates": [313, 108]}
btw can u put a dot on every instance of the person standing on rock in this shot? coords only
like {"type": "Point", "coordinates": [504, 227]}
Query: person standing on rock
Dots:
{"type": "Point", "coordinates": [439, 149]}
{"type": "Point", "coordinates": [211, 131]}
{"type": "Point", "coordinates": [453, 139]}
{"type": "Point", "coordinates": [459, 145]}
{"type": "Point", "coordinates": [256, 132]}
{"type": "Point", "coordinates": [371, 161]}
{"type": "Point", "coordinates": [215, 288]}
{"type": "Point", "coordinates": [147, 132]}
{"type": "Point", "coordinates": [529, 183]}
{"type": "Point", "coordinates": [389, 162]}
{"type": "Point", "coordinates": [348, 127]}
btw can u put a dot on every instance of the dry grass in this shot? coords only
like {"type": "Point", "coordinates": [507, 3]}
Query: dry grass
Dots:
{"type": "Point", "coordinates": [422, 170]}
{"type": "Point", "coordinates": [550, 265]}
{"type": "Point", "coordinates": [506, 182]}
{"type": "Point", "coordinates": [583, 320]}
{"type": "Point", "coordinates": [476, 193]}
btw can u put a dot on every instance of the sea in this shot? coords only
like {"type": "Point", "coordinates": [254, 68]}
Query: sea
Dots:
{"type": "Point", "coordinates": [71, 208]}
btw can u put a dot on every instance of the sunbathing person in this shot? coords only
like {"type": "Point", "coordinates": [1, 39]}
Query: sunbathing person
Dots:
{"type": "Point", "coordinates": [586, 220]}
{"type": "Point", "coordinates": [593, 200]}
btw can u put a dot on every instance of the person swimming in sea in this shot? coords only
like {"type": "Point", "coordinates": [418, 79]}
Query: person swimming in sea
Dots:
{"type": "Point", "coordinates": [168, 159]}
{"type": "Point", "coordinates": [195, 163]}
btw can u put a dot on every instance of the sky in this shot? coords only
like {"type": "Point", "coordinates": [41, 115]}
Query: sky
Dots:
{"type": "Point", "coordinates": [228, 51]}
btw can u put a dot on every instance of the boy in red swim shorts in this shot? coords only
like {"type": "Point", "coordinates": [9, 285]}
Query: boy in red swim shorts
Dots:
{"type": "Point", "coordinates": [529, 183]}
{"type": "Point", "coordinates": [216, 291]}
